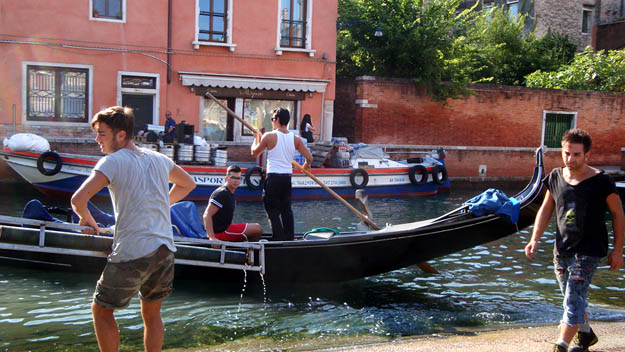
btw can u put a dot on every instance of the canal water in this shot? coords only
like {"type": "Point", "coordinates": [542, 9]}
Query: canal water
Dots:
{"type": "Point", "coordinates": [489, 286]}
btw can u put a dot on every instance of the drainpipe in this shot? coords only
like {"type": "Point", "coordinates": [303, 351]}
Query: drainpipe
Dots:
{"type": "Point", "coordinates": [169, 41]}
{"type": "Point", "coordinates": [13, 108]}
{"type": "Point", "coordinates": [622, 8]}
{"type": "Point", "coordinates": [323, 115]}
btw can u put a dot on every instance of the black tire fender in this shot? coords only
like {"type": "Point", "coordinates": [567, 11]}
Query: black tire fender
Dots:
{"type": "Point", "coordinates": [418, 170]}
{"type": "Point", "coordinates": [354, 174]}
{"type": "Point", "coordinates": [45, 156]}
{"type": "Point", "coordinates": [248, 176]}
{"type": "Point", "coordinates": [439, 174]}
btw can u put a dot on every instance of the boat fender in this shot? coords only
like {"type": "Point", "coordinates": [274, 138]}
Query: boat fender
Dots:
{"type": "Point", "coordinates": [49, 156]}
{"type": "Point", "coordinates": [363, 174]}
{"type": "Point", "coordinates": [439, 174]}
{"type": "Point", "coordinates": [248, 176]}
{"type": "Point", "coordinates": [418, 170]}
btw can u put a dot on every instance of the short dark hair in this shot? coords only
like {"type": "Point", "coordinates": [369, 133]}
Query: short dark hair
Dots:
{"type": "Point", "coordinates": [283, 115]}
{"type": "Point", "coordinates": [117, 118]}
{"type": "Point", "coordinates": [232, 168]}
{"type": "Point", "coordinates": [578, 136]}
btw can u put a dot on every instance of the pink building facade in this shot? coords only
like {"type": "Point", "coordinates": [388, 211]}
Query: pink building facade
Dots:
{"type": "Point", "coordinates": [63, 61]}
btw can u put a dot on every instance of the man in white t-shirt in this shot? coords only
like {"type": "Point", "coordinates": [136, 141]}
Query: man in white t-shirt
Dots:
{"type": "Point", "coordinates": [280, 145]}
{"type": "Point", "coordinates": [142, 257]}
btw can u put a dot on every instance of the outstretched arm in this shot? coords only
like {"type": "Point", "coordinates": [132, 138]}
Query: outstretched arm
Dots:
{"type": "Point", "coordinates": [183, 184]}
{"type": "Point", "coordinates": [92, 185]}
{"type": "Point", "coordinates": [540, 224]}
{"type": "Point", "coordinates": [615, 258]}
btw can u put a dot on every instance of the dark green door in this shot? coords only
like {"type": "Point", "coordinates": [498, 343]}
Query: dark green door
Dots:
{"type": "Point", "coordinates": [142, 106]}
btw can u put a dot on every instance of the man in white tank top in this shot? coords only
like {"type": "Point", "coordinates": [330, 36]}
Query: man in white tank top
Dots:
{"type": "Point", "coordinates": [280, 145]}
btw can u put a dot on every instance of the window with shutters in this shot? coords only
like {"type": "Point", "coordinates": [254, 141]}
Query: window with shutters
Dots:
{"type": "Point", "coordinates": [555, 123]}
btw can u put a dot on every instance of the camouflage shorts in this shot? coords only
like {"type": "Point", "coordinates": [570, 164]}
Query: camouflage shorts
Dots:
{"type": "Point", "coordinates": [574, 275]}
{"type": "Point", "coordinates": [152, 276]}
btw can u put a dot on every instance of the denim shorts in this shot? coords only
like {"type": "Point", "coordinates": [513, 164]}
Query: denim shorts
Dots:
{"type": "Point", "coordinates": [151, 276]}
{"type": "Point", "coordinates": [574, 274]}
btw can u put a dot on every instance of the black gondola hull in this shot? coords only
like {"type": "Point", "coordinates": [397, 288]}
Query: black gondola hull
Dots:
{"type": "Point", "coordinates": [340, 258]}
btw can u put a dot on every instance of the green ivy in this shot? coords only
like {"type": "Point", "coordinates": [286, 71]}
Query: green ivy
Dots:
{"type": "Point", "coordinates": [589, 70]}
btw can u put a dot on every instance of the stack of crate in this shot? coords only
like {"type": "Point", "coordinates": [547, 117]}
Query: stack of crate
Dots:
{"type": "Point", "coordinates": [320, 151]}
{"type": "Point", "coordinates": [340, 154]}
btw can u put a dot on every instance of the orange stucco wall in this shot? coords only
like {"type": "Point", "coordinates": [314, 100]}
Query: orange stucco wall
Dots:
{"type": "Point", "coordinates": [62, 32]}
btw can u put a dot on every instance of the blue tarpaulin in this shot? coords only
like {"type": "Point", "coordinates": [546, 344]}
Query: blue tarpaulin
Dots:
{"type": "Point", "coordinates": [185, 217]}
{"type": "Point", "coordinates": [494, 201]}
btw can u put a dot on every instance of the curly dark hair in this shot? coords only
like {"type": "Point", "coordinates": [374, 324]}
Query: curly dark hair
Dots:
{"type": "Point", "coordinates": [579, 136]}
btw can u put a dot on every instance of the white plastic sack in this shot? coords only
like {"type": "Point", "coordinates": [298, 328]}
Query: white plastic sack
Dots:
{"type": "Point", "coordinates": [197, 140]}
{"type": "Point", "coordinates": [27, 142]}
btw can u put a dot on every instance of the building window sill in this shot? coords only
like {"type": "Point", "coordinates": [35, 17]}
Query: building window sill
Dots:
{"type": "Point", "coordinates": [310, 52]}
{"type": "Point", "coordinates": [196, 44]}
{"type": "Point", "coordinates": [107, 19]}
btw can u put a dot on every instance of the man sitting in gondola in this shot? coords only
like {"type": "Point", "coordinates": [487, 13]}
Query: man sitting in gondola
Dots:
{"type": "Point", "coordinates": [220, 211]}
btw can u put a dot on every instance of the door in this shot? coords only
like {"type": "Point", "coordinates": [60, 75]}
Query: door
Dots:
{"type": "Point", "coordinates": [143, 108]}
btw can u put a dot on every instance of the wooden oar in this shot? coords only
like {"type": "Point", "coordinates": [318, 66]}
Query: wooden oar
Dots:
{"type": "Point", "coordinates": [422, 265]}
{"type": "Point", "coordinates": [300, 167]}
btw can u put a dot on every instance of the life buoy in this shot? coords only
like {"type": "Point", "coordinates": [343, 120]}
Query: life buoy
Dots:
{"type": "Point", "coordinates": [439, 174]}
{"type": "Point", "coordinates": [55, 158]}
{"type": "Point", "coordinates": [248, 178]}
{"type": "Point", "coordinates": [359, 172]}
{"type": "Point", "coordinates": [418, 170]}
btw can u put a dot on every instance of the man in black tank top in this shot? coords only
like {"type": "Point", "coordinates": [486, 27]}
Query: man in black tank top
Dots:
{"type": "Point", "coordinates": [580, 195]}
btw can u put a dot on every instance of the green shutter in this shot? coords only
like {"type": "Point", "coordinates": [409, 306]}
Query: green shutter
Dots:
{"type": "Point", "coordinates": [555, 126]}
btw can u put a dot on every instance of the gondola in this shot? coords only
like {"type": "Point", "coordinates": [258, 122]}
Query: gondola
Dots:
{"type": "Point", "coordinates": [308, 259]}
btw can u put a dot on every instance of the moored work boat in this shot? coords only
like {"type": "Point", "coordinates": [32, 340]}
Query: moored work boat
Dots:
{"type": "Point", "coordinates": [59, 174]}
{"type": "Point", "coordinates": [309, 259]}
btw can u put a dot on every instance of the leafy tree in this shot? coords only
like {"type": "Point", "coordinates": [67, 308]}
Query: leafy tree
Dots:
{"type": "Point", "coordinates": [440, 47]}
{"type": "Point", "coordinates": [417, 42]}
{"type": "Point", "coordinates": [599, 71]}
{"type": "Point", "coordinates": [507, 54]}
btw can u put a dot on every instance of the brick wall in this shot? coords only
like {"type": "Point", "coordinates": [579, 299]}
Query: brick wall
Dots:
{"type": "Point", "coordinates": [499, 126]}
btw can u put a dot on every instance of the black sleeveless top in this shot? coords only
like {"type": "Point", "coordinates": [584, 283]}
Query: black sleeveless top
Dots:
{"type": "Point", "coordinates": [580, 214]}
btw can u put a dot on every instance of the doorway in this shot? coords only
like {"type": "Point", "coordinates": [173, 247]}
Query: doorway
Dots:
{"type": "Point", "coordinates": [143, 108]}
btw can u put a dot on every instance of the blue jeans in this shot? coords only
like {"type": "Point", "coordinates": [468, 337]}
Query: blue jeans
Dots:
{"type": "Point", "coordinates": [574, 274]}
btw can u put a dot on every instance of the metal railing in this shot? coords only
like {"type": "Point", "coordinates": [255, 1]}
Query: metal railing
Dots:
{"type": "Point", "coordinates": [252, 250]}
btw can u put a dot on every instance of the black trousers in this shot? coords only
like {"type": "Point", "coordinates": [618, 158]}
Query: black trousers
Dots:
{"type": "Point", "coordinates": [277, 200]}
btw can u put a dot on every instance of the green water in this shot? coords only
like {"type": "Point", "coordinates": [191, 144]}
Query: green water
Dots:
{"type": "Point", "coordinates": [486, 286]}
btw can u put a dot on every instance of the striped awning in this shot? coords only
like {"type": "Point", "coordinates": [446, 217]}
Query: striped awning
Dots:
{"type": "Point", "coordinates": [246, 82]}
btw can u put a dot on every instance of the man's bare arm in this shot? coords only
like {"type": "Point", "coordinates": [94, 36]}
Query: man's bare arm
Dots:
{"type": "Point", "coordinates": [540, 224]}
{"type": "Point", "coordinates": [615, 258]}
{"type": "Point", "coordinates": [183, 184]}
{"type": "Point", "coordinates": [92, 185]}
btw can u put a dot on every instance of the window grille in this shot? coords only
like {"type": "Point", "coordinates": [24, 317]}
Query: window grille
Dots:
{"type": "Point", "coordinates": [57, 94]}
{"type": "Point", "coordinates": [555, 126]}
